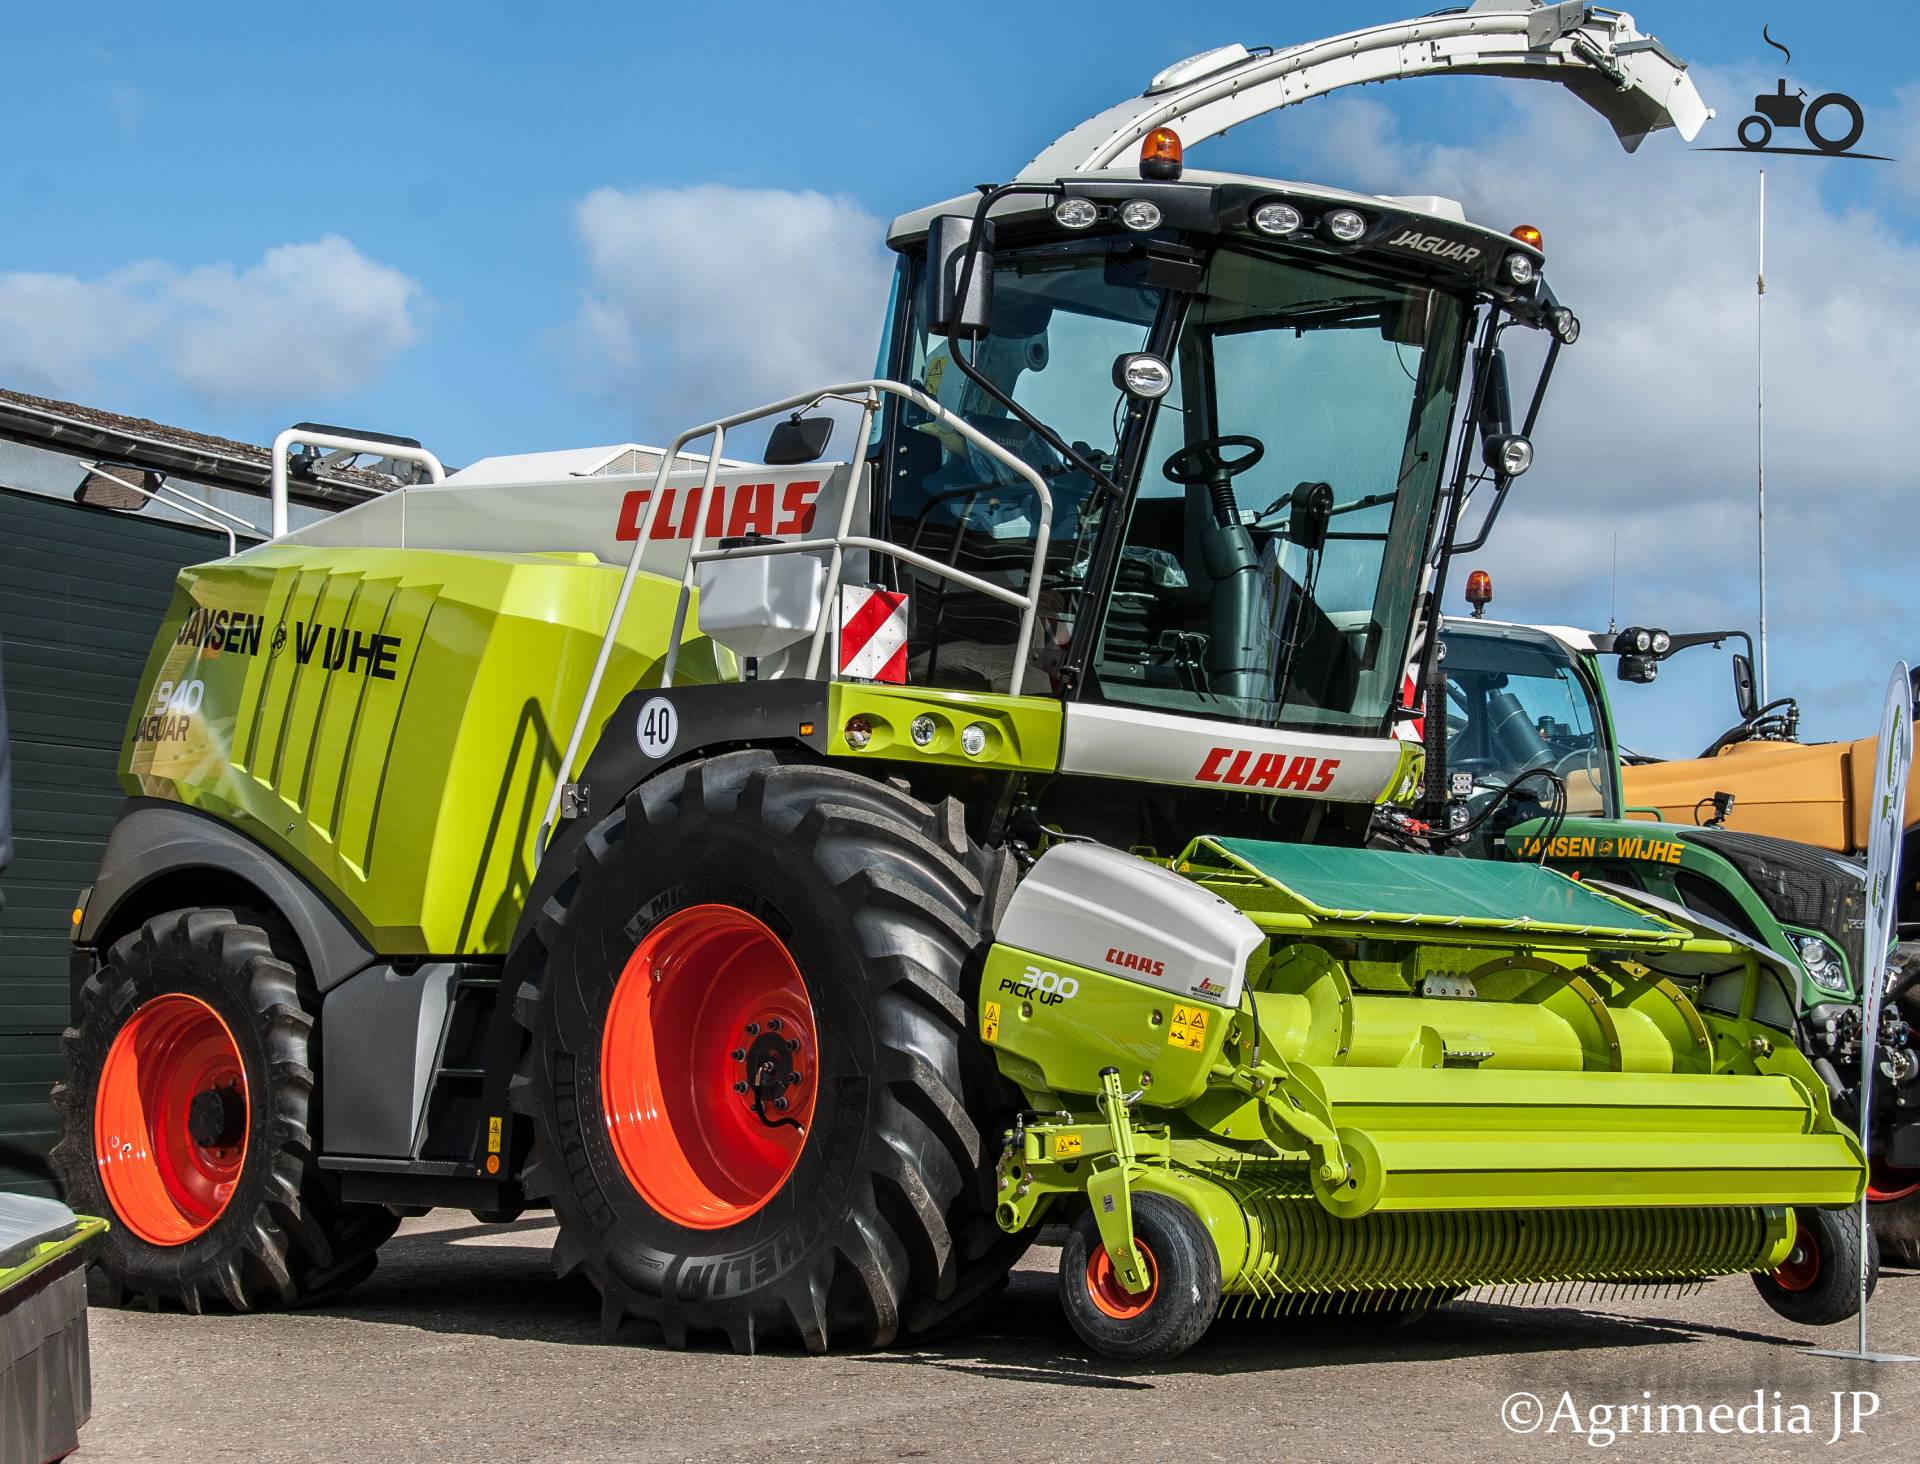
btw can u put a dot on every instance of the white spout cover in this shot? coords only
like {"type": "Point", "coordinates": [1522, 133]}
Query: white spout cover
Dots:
{"type": "Point", "coordinates": [1108, 911]}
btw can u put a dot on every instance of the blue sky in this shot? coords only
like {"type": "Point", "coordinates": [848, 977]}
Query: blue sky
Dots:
{"type": "Point", "coordinates": [513, 228]}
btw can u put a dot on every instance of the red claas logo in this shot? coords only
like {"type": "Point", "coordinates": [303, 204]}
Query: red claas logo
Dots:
{"type": "Point", "coordinates": [1268, 770]}
{"type": "Point", "coordinates": [774, 509]}
{"type": "Point", "coordinates": [1128, 961]}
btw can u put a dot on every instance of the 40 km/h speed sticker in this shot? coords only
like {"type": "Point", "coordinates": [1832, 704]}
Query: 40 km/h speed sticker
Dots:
{"type": "Point", "coordinates": [659, 726]}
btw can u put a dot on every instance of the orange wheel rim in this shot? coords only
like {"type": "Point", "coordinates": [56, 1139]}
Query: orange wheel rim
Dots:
{"type": "Point", "coordinates": [1110, 1294]}
{"type": "Point", "coordinates": [1886, 1184]}
{"type": "Point", "coordinates": [171, 1119]}
{"type": "Point", "coordinates": [1803, 1264]}
{"type": "Point", "coordinates": [709, 1066]}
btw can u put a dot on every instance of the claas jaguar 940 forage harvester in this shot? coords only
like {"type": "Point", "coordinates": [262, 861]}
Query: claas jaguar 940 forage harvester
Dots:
{"type": "Point", "coordinates": [810, 879]}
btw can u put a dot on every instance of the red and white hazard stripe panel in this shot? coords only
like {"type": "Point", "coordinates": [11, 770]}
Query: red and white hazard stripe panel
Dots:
{"type": "Point", "coordinates": [1410, 729]}
{"type": "Point", "coordinates": [873, 634]}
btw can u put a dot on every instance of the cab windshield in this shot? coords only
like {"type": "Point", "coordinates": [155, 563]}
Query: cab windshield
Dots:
{"type": "Point", "coordinates": [1516, 702]}
{"type": "Point", "coordinates": [1270, 544]}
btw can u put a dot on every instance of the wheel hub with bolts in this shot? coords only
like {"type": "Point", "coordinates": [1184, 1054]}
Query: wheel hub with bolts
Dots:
{"type": "Point", "coordinates": [217, 1116]}
{"type": "Point", "coordinates": [1801, 1268]}
{"type": "Point", "coordinates": [768, 1064]}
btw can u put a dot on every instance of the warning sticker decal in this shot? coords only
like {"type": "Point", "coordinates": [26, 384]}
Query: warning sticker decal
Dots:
{"type": "Point", "coordinates": [1188, 1028]}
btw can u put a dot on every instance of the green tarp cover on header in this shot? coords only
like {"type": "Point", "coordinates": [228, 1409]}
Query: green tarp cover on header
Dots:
{"type": "Point", "coordinates": [1377, 884]}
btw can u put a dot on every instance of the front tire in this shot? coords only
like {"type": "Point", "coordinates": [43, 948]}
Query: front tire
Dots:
{"type": "Point", "coordinates": [1181, 1299]}
{"type": "Point", "coordinates": [1819, 1282]}
{"type": "Point", "coordinates": [186, 1119]}
{"type": "Point", "coordinates": [759, 1107]}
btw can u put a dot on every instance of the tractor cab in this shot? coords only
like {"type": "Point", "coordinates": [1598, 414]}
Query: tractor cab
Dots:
{"type": "Point", "coordinates": [1528, 728]}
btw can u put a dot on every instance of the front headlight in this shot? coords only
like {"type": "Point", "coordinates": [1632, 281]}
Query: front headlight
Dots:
{"type": "Point", "coordinates": [1277, 219]}
{"type": "Point", "coordinates": [1822, 962]}
{"type": "Point", "coordinates": [1076, 213]}
{"type": "Point", "coordinates": [1142, 374]}
{"type": "Point", "coordinates": [1345, 225]}
{"type": "Point", "coordinates": [1508, 454]}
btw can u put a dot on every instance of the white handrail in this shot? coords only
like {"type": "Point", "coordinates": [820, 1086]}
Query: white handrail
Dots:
{"type": "Point", "coordinates": [169, 496]}
{"type": "Point", "coordinates": [285, 441]}
{"type": "Point", "coordinates": [717, 429]}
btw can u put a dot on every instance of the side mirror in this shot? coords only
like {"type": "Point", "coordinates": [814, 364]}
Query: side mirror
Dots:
{"type": "Point", "coordinates": [1496, 401]}
{"type": "Point", "coordinates": [113, 486]}
{"type": "Point", "coordinates": [1744, 696]}
{"type": "Point", "coordinates": [950, 239]}
{"type": "Point", "coordinates": [798, 440]}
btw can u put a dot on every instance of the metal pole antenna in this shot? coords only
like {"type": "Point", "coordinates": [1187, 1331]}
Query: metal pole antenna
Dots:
{"type": "Point", "coordinates": [1760, 424]}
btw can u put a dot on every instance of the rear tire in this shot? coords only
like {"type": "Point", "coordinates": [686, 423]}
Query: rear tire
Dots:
{"type": "Point", "coordinates": [1819, 1282]}
{"type": "Point", "coordinates": [864, 911]}
{"type": "Point", "coordinates": [1175, 1311]}
{"type": "Point", "coordinates": [1896, 1224]}
{"type": "Point", "coordinates": [256, 1222]}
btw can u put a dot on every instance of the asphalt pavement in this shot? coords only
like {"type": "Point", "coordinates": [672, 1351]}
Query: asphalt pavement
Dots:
{"type": "Point", "coordinates": [462, 1346]}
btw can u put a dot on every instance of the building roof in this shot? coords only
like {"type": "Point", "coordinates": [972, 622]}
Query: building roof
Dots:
{"type": "Point", "coordinates": [216, 461]}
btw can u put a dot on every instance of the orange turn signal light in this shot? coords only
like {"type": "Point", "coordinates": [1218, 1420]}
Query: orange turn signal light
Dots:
{"type": "Point", "coordinates": [1160, 155]}
{"type": "Point", "coordinates": [1527, 234]}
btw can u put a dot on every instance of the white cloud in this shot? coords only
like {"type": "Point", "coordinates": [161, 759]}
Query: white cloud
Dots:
{"type": "Point", "coordinates": [705, 300]}
{"type": "Point", "coordinates": [314, 319]}
{"type": "Point", "coordinates": [56, 330]}
{"type": "Point", "coordinates": [1648, 432]}
{"type": "Point", "coordinates": [308, 318]}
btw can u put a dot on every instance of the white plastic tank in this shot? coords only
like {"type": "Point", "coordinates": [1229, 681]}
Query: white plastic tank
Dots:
{"type": "Point", "coordinates": [758, 604]}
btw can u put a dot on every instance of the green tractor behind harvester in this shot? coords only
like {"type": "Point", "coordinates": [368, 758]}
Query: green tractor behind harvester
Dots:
{"type": "Point", "coordinates": [1527, 701]}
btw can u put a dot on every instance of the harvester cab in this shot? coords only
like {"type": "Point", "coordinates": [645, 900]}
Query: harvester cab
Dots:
{"type": "Point", "coordinates": [810, 879]}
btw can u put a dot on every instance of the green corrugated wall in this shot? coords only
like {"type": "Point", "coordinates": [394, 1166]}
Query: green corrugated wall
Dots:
{"type": "Point", "coordinates": [81, 591]}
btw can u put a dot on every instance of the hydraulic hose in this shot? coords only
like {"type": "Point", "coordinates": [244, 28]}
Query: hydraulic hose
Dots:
{"type": "Point", "coordinates": [1556, 811]}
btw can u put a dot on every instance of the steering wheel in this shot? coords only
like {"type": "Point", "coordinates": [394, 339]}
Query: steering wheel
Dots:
{"type": "Point", "coordinates": [1206, 462]}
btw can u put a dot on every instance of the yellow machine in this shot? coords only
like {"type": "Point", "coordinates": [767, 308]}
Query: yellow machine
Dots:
{"type": "Point", "coordinates": [1757, 778]}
